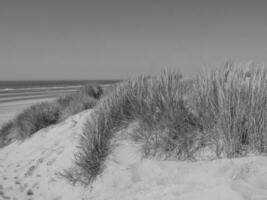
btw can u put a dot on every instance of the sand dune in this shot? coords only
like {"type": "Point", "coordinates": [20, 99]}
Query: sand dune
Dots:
{"type": "Point", "coordinates": [30, 171]}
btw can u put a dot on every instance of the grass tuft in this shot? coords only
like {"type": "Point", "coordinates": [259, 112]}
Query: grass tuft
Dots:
{"type": "Point", "coordinates": [5, 133]}
{"type": "Point", "coordinates": [84, 99]}
{"type": "Point", "coordinates": [231, 104]}
{"type": "Point", "coordinates": [35, 118]}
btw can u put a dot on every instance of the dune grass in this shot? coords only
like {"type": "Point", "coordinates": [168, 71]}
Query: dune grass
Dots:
{"type": "Point", "coordinates": [6, 131]}
{"type": "Point", "coordinates": [35, 118]}
{"type": "Point", "coordinates": [231, 104]}
{"type": "Point", "coordinates": [157, 103]}
{"type": "Point", "coordinates": [223, 109]}
{"type": "Point", "coordinates": [44, 114]}
{"type": "Point", "coordinates": [83, 99]}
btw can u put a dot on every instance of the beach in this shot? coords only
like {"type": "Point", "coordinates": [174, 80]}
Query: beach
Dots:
{"type": "Point", "coordinates": [13, 101]}
{"type": "Point", "coordinates": [15, 96]}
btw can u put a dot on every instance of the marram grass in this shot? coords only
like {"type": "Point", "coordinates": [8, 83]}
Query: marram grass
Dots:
{"type": "Point", "coordinates": [223, 109]}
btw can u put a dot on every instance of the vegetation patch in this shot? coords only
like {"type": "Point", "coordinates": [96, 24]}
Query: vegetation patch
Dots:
{"type": "Point", "coordinates": [83, 99]}
{"type": "Point", "coordinates": [157, 103]}
{"type": "Point", "coordinates": [223, 109]}
{"type": "Point", "coordinates": [231, 104]}
{"type": "Point", "coordinates": [44, 114]}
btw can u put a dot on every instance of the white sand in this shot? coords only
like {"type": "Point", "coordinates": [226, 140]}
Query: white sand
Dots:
{"type": "Point", "coordinates": [128, 176]}
{"type": "Point", "coordinates": [35, 163]}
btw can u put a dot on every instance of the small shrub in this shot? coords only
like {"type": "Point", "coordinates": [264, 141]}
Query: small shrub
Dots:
{"type": "Point", "coordinates": [94, 91]}
{"type": "Point", "coordinates": [64, 101]}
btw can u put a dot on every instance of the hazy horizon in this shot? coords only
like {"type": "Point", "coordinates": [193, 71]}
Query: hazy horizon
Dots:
{"type": "Point", "coordinates": [85, 40]}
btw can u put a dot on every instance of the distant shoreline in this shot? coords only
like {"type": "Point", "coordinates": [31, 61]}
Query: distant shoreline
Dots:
{"type": "Point", "coordinates": [16, 84]}
{"type": "Point", "coordinates": [28, 98]}
{"type": "Point", "coordinates": [11, 91]}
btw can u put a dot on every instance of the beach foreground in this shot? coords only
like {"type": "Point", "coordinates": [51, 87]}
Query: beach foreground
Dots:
{"type": "Point", "coordinates": [31, 170]}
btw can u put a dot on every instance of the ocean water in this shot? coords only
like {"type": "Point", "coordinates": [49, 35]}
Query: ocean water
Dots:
{"type": "Point", "coordinates": [26, 90]}
{"type": "Point", "coordinates": [42, 84]}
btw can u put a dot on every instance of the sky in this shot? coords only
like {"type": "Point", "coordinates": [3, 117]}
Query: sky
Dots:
{"type": "Point", "coordinates": [56, 39]}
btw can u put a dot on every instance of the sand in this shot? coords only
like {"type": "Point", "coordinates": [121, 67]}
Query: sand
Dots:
{"type": "Point", "coordinates": [129, 177]}
{"type": "Point", "coordinates": [29, 170]}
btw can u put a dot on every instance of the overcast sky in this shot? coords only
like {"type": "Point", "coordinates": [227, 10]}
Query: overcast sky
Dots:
{"type": "Point", "coordinates": [52, 39]}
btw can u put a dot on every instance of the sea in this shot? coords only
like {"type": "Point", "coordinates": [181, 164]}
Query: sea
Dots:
{"type": "Point", "coordinates": [24, 90]}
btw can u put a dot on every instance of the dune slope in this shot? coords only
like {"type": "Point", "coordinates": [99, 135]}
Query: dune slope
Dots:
{"type": "Point", "coordinates": [30, 170]}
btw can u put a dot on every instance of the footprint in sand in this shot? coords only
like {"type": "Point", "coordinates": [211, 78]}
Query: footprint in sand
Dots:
{"type": "Point", "coordinates": [35, 185]}
{"type": "Point", "coordinates": [30, 171]}
{"type": "Point", "coordinates": [22, 187]}
{"type": "Point", "coordinates": [74, 123]}
{"type": "Point", "coordinates": [51, 180]}
{"type": "Point", "coordinates": [50, 162]}
{"type": "Point", "coordinates": [30, 192]}
{"type": "Point", "coordinates": [33, 167]}
{"type": "Point", "coordinates": [2, 195]}
{"type": "Point", "coordinates": [59, 150]}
